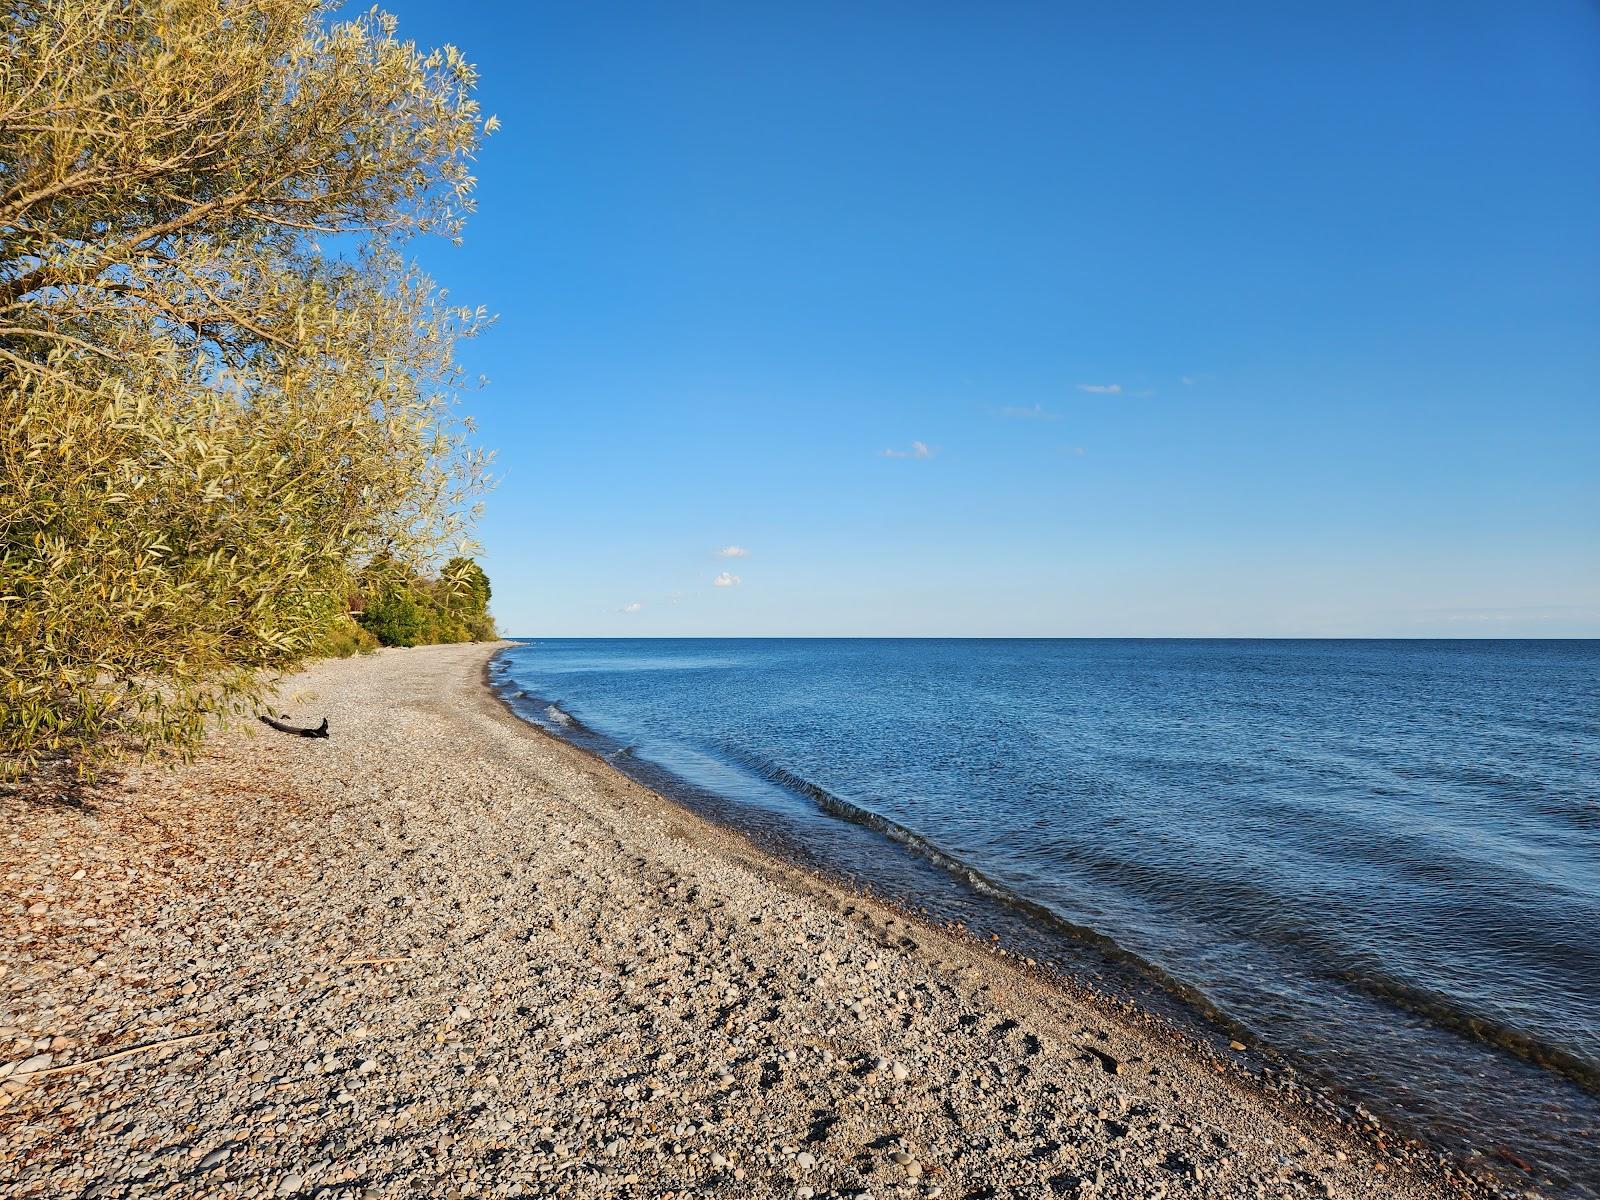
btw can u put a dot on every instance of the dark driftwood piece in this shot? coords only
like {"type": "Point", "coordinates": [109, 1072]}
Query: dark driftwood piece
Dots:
{"type": "Point", "coordinates": [283, 727]}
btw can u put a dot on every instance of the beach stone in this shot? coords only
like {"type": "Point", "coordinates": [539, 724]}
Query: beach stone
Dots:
{"type": "Point", "coordinates": [216, 1158]}
{"type": "Point", "coordinates": [29, 1065]}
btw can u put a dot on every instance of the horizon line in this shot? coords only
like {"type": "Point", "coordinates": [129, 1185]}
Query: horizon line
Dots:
{"type": "Point", "coordinates": [1046, 637]}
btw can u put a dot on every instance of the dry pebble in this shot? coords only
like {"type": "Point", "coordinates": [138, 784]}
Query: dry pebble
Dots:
{"type": "Point", "coordinates": [440, 954]}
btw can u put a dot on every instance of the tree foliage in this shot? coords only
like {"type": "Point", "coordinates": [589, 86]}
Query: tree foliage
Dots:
{"type": "Point", "coordinates": [421, 611]}
{"type": "Point", "coordinates": [224, 390]}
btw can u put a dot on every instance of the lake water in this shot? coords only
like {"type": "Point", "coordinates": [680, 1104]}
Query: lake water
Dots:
{"type": "Point", "coordinates": [1379, 858]}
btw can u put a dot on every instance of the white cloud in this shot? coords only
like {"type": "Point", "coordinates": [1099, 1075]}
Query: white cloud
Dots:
{"type": "Point", "coordinates": [631, 608]}
{"type": "Point", "coordinates": [1188, 380]}
{"type": "Point", "coordinates": [733, 552]}
{"type": "Point", "coordinates": [1101, 389]}
{"type": "Point", "coordinates": [1037, 412]}
{"type": "Point", "coordinates": [726, 579]}
{"type": "Point", "coordinates": [918, 450]}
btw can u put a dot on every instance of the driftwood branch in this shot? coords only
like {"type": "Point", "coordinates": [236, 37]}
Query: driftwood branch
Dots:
{"type": "Point", "coordinates": [105, 1058]}
{"type": "Point", "coordinates": [284, 727]}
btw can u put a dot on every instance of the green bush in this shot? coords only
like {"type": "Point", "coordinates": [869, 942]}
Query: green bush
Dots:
{"type": "Point", "coordinates": [397, 617]}
{"type": "Point", "coordinates": [417, 611]}
{"type": "Point", "coordinates": [347, 638]}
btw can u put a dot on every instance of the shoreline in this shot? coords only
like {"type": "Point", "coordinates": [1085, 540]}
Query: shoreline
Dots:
{"type": "Point", "coordinates": [595, 990]}
{"type": "Point", "coordinates": [1129, 990]}
{"type": "Point", "coordinates": [1137, 991]}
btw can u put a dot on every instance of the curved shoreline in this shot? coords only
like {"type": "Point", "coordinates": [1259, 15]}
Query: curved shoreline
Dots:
{"type": "Point", "coordinates": [445, 951]}
{"type": "Point", "coordinates": [1199, 1026]}
{"type": "Point", "coordinates": [1120, 977]}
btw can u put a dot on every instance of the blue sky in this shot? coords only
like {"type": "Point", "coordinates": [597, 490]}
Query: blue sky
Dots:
{"type": "Point", "coordinates": [1239, 319]}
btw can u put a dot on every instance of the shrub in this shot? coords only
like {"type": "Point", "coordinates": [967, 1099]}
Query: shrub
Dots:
{"type": "Point", "coordinates": [396, 617]}
{"type": "Point", "coordinates": [345, 639]}
{"type": "Point", "coordinates": [419, 611]}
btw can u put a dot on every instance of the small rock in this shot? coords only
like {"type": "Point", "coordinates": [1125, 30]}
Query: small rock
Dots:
{"type": "Point", "coordinates": [1235, 1045]}
{"type": "Point", "coordinates": [216, 1158]}
{"type": "Point", "coordinates": [37, 1063]}
{"type": "Point", "coordinates": [290, 1185]}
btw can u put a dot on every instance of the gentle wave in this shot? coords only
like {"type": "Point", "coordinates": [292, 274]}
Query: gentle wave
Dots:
{"type": "Point", "coordinates": [848, 810]}
{"type": "Point", "coordinates": [1441, 1010]}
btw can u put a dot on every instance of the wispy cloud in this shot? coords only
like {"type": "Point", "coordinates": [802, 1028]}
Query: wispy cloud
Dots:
{"type": "Point", "coordinates": [1531, 613]}
{"type": "Point", "coordinates": [1188, 381]}
{"type": "Point", "coordinates": [1022, 412]}
{"type": "Point", "coordinates": [918, 450]}
{"type": "Point", "coordinates": [726, 579]}
{"type": "Point", "coordinates": [1101, 389]}
{"type": "Point", "coordinates": [733, 552]}
{"type": "Point", "coordinates": [631, 608]}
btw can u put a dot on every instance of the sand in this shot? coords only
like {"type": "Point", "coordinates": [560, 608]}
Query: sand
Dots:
{"type": "Point", "coordinates": [442, 954]}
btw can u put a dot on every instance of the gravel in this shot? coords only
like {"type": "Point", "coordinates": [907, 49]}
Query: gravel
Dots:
{"type": "Point", "coordinates": [440, 954]}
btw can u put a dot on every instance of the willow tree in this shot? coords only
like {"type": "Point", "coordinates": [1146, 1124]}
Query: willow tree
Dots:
{"type": "Point", "coordinates": [223, 387]}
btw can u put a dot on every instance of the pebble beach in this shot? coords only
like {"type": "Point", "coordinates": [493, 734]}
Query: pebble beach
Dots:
{"type": "Point", "coordinates": [441, 954]}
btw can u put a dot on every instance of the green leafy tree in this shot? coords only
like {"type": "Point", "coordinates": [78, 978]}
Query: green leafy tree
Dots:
{"type": "Point", "coordinates": [223, 388]}
{"type": "Point", "coordinates": [398, 616]}
{"type": "Point", "coordinates": [423, 611]}
{"type": "Point", "coordinates": [468, 585]}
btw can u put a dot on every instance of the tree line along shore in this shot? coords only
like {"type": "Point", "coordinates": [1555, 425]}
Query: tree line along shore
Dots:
{"type": "Point", "coordinates": [228, 396]}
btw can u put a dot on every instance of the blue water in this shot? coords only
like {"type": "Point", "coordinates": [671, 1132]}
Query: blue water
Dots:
{"type": "Point", "coordinates": [1381, 859]}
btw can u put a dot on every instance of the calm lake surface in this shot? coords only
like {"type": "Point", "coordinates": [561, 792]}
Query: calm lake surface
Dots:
{"type": "Point", "coordinates": [1380, 858]}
